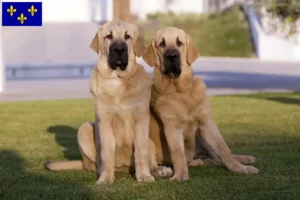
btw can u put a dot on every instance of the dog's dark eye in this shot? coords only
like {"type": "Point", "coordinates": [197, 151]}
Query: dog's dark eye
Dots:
{"type": "Point", "coordinates": [179, 43]}
{"type": "Point", "coordinates": [162, 44]}
{"type": "Point", "coordinates": [127, 37]}
{"type": "Point", "coordinates": [109, 36]}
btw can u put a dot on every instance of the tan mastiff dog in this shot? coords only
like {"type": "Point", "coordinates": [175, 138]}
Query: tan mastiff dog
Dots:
{"type": "Point", "coordinates": [159, 153]}
{"type": "Point", "coordinates": [181, 109]}
{"type": "Point", "coordinates": [121, 91]}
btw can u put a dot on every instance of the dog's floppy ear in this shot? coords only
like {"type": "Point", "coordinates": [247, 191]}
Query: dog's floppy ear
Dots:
{"type": "Point", "coordinates": [97, 42]}
{"type": "Point", "coordinates": [191, 51]}
{"type": "Point", "coordinates": [139, 46]}
{"type": "Point", "coordinates": [150, 56]}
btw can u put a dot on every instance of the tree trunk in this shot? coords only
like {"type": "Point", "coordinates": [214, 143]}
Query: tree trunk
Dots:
{"type": "Point", "coordinates": [121, 9]}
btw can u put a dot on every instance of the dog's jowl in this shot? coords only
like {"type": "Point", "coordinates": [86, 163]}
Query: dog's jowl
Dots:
{"type": "Point", "coordinates": [118, 55]}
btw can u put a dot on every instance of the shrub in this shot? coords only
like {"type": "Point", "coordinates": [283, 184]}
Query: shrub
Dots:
{"type": "Point", "coordinates": [287, 10]}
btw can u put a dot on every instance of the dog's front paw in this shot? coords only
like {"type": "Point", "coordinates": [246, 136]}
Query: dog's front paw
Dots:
{"type": "Point", "coordinates": [249, 160]}
{"type": "Point", "coordinates": [251, 170]}
{"type": "Point", "coordinates": [144, 178]}
{"type": "Point", "coordinates": [244, 169]}
{"type": "Point", "coordinates": [105, 179]}
{"type": "Point", "coordinates": [180, 177]}
{"type": "Point", "coordinates": [162, 171]}
{"type": "Point", "coordinates": [245, 159]}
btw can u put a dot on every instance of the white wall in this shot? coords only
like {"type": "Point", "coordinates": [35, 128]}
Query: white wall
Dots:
{"type": "Point", "coordinates": [269, 47]}
{"type": "Point", "coordinates": [144, 7]}
{"type": "Point", "coordinates": [82, 10]}
{"type": "Point", "coordinates": [2, 73]}
{"type": "Point", "coordinates": [193, 6]}
{"type": "Point", "coordinates": [75, 10]}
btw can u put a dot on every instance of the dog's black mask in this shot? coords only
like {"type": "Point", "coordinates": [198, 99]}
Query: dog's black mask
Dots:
{"type": "Point", "coordinates": [172, 63]}
{"type": "Point", "coordinates": [118, 55]}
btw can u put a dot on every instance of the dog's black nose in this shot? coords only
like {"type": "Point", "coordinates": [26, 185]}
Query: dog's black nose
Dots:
{"type": "Point", "coordinates": [119, 49]}
{"type": "Point", "coordinates": [172, 56]}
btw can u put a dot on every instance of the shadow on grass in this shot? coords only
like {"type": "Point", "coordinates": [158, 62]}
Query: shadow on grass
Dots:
{"type": "Point", "coordinates": [66, 137]}
{"type": "Point", "coordinates": [285, 100]}
{"type": "Point", "coordinates": [17, 183]}
{"type": "Point", "coordinates": [280, 98]}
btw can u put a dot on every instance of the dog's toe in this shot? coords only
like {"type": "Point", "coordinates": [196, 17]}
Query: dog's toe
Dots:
{"type": "Point", "coordinates": [183, 176]}
{"type": "Point", "coordinates": [179, 178]}
{"type": "Point", "coordinates": [105, 180]}
{"type": "Point", "coordinates": [145, 178]}
{"type": "Point", "coordinates": [251, 170]}
{"type": "Point", "coordinates": [251, 160]}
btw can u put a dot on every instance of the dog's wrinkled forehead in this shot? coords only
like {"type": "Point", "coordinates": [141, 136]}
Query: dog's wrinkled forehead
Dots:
{"type": "Point", "coordinates": [117, 29]}
{"type": "Point", "coordinates": [170, 36]}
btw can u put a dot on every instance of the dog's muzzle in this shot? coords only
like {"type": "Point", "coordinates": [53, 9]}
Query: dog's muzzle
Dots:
{"type": "Point", "coordinates": [172, 63]}
{"type": "Point", "coordinates": [118, 55]}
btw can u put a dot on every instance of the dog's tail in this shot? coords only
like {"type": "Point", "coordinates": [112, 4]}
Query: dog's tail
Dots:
{"type": "Point", "coordinates": [64, 165]}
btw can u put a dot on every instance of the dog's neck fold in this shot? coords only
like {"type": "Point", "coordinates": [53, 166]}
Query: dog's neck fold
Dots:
{"type": "Point", "coordinates": [165, 84]}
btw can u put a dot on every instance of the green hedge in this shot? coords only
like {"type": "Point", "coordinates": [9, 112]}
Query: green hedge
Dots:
{"type": "Point", "coordinates": [288, 10]}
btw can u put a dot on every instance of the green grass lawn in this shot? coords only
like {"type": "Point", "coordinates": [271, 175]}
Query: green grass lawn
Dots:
{"type": "Point", "coordinates": [265, 125]}
{"type": "Point", "coordinates": [225, 34]}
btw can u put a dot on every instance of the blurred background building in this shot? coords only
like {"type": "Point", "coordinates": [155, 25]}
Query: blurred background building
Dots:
{"type": "Point", "coordinates": [219, 28]}
{"type": "Point", "coordinates": [106, 10]}
{"type": "Point", "coordinates": [69, 25]}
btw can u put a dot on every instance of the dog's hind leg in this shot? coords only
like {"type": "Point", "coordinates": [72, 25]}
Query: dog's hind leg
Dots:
{"type": "Point", "coordinates": [212, 136]}
{"type": "Point", "coordinates": [87, 147]}
{"type": "Point", "coordinates": [208, 157]}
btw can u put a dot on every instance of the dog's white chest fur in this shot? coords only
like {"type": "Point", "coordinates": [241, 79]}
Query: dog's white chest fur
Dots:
{"type": "Point", "coordinates": [113, 92]}
{"type": "Point", "coordinates": [112, 87]}
{"type": "Point", "coordinates": [113, 83]}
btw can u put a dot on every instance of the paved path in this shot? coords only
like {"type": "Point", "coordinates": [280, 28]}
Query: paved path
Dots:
{"type": "Point", "coordinates": [222, 76]}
